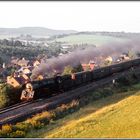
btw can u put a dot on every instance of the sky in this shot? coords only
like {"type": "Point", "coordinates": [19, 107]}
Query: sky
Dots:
{"type": "Point", "coordinates": [80, 16]}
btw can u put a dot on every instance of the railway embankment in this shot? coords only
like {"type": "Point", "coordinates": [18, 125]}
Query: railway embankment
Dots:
{"type": "Point", "coordinates": [115, 116]}
{"type": "Point", "coordinates": [22, 112]}
{"type": "Point", "coordinates": [111, 93]}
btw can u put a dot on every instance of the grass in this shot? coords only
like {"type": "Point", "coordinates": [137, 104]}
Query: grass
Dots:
{"type": "Point", "coordinates": [91, 39]}
{"type": "Point", "coordinates": [116, 116]}
{"type": "Point", "coordinates": [37, 121]}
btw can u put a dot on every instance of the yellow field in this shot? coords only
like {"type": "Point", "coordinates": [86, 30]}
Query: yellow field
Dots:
{"type": "Point", "coordinates": [116, 116]}
{"type": "Point", "coordinates": [119, 120]}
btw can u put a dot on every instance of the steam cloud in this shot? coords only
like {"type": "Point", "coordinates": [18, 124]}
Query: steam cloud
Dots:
{"type": "Point", "coordinates": [113, 49]}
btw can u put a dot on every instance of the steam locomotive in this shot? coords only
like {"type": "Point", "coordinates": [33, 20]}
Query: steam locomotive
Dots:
{"type": "Point", "coordinates": [50, 86]}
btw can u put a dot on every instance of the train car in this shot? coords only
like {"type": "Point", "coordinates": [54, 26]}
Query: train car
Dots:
{"type": "Point", "coordinates": [136, 62]}
{"type": "Point", "coordinates": [47, 87]}
{"type": "Point", "coordinates": [100, 73]}
{"type": "Point", "coordinates": [86, 77]}
{"type": "Point", "coordinates": [116, 68]}
{"type": "Point", "coordinates": [37, 89]}
{"type": "Point", "coordinates": [67, 82]}
{"type": "Point", "coordinates": [124, 65]}
{"type": "Point", "coordinates": [78, 79]}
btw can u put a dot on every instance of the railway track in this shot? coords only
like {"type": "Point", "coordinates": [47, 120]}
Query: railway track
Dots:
{"type": "Point", "coordinates": [21, 112]}
{"type": "Point", "coordinates": [18, 105]}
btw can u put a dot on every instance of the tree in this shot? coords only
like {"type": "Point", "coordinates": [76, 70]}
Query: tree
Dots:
{"type": "Point", "coordinates": [1, 60]}
{"type": "Point", "coordinates": [18, 43]}
{"type": "Point", "coordinates": [78, 68]}
{"type": "Point", "coordinates": [131, 54]}
{"type": "Point", "coordinates": [8, 95]}
{"type": "Point", "coordinates": [87, 68]}
{"type": "Point", "coordinates": [68, 70]}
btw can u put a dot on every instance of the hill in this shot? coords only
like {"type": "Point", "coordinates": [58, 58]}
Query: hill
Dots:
{"type": "Point", "coordinates": [116, 116]}
{"type": "Point", "coordinates": [90, 39]}
{"type": "Point", "coordinates": [113, 121]}
{"type": "Point", "coordinates": [35, 31]}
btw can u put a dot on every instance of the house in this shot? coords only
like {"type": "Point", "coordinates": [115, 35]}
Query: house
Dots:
{"type": "Point", "coordinates": [85, 67]}
{"type": "Point", "coordinates": [123, 57]}
{"type": "Point", "coordinates": [23, 62]}
{"type": "Point", "coordinates": [40, 77]}
{"type": "Point", "coordinates": [27, 70]}
{"type": "Point", "coordinates": [16, 81]}
{"type": "Point", "coordinates": [26, 77]}
{"type": "Point", "coordinates": [14, 61]}
{"type": "Point", "coordinates": [66, 47]}
{"type": "Point", "coordinates": [60, 54]}
{"type": "Point", "coordinates": [36, 63]}
{"type": "Point", "coordinates": [89, 66]}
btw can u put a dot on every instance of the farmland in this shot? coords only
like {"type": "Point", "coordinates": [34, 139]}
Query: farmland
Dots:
{"type": "Point", "coordinates": [90, 39]}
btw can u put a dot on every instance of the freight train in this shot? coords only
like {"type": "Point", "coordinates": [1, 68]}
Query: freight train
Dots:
{"type": "Point", "coordinates": [48, 87]}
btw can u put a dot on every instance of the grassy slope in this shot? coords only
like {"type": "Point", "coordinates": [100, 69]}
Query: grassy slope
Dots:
{"type": "Point", "coordinates": [114, 116]}
{"type": "Point", "coordinates": [91, 39]}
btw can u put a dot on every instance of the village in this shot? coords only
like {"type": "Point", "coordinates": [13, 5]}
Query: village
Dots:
{"type": "Point", "coordinates": [69, 69]}
{"type": "Point", "coordinates": [23, 68]}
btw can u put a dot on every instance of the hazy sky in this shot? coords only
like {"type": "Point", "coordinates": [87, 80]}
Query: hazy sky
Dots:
{"type": "Point", "coordinates": [81, 16]}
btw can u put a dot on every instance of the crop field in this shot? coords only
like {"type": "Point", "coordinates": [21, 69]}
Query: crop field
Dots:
{"type": "Point", "coordinates": [90, 39]}
{"type": "Point", "coordinates": [116, 116]}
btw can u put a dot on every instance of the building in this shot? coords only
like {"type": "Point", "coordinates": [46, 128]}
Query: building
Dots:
{"type": "Point", "coordinates": [40, 77]}
{"type": "Point", "coordinates": [36, 63]}
{"type": "Point", "coordinates": [27, 70]}
{"type": "Point", "coordinates": [26, 77]}
{"type": "Point", "coordinates": [16, 81]}
{"type": "Point", "coordinates": [66, 47]}
{"type": "Point", "coordinates": [23, 62]}
{"type": "Point", "coordinates": [123, 57]}
{"type": "Point", "coordinates": [89, 66]}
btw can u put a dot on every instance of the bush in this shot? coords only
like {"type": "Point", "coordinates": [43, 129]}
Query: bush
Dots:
{"type": "Point", "coordinates": [22, 126]}
{"type": "Point", "coordinates": [6, 130]}
{"type": "Point", "coordinates": [44, 117]}
{"type": "Point", "coordinates": [4, 100]}
{"type": "Point", "coordinates": [8, 95]}
{"type": "Point", "coordinates": [129, 79]}
{"type": "Point", "coordinates": [17, 134]}
{"type": "Point", "coordinates": [36, 124]}
{"type": "Point", "coordinates": [68, 70]}
{"type": "Point", "coordinates": [106, 92]}
{"type": "Point", "coordinates": [96, 95]}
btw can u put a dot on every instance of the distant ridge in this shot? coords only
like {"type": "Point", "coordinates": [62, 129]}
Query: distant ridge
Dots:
{"type": "Point", "coordinates": [35, 31]}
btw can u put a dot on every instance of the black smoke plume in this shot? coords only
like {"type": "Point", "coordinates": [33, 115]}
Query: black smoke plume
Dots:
{"type": "Point", "coordinates": [113, 49]}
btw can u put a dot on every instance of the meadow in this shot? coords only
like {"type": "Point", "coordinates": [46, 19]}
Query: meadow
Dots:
{"type": "Point", "coordinates": [90, 39]}
{"type": "Point", "coordinates": [115, 116]}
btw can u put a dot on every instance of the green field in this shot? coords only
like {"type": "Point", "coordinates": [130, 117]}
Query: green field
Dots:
{"type": "Point", "coordinates": [116, 116]}
{"type": "Point", "coordinates": [91, 39]}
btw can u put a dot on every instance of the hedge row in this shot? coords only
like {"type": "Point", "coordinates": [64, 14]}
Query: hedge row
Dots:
{"type": "Point", "coordinates": [38, 121]}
